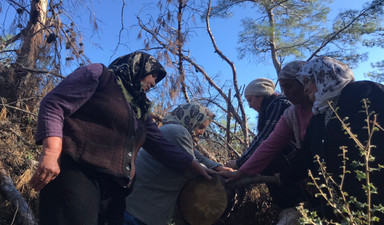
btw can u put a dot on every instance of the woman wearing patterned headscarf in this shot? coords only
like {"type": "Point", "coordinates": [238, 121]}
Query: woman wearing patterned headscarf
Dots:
{"type": "Point", "coordinates": [331, 83]}
{"type": "Point", "coordinates": [156, 187]}
{"type": "Point", "coordinates": [91, 126]}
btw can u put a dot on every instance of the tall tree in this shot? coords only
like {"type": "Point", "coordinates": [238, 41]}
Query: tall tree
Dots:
{"type": "Point", "coordinates": [279, 28]}
{"type": "Point", "coordinates": [377, 74]}
{"type": "Point", "coordinates": [35, 36]}
{"type": "Point", "coordinates": [302, 29]}
{"type": "Point", "coordinates": [34, 47]}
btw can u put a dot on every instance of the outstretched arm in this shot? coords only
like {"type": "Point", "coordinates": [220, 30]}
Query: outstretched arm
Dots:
{"type": "Point", "coordinates": [268, 150]}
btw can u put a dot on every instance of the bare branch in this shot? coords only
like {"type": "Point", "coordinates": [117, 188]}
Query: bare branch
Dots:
{"type": "Point", "coordinates": [232, 150]}
{"type": "Point", "coordinates": [205, 152]}
{"type": "Point", "coordinates": [228, 119]}
{"type": "Point", "coordinates": [9, 41]}
{"type": "Point", "coordinates": [21, 68]}
{"type": "Point", "coordinates": [243, 123]}
{"type": "Point", "coordinates": [232, 134]}
{"type": "Point", "coordinates": [179, 45]}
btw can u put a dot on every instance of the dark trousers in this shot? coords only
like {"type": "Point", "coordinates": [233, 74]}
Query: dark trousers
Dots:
{"type": "Point", "coordinates": [287, 195]}
{"type": "Point", "coordinates": [81, 195]}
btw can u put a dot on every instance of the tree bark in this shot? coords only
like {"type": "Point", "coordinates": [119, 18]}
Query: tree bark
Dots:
{"type": "Point", "coordinates": [272, 41]}
{"type": "Point", "coordinates": [33, 34]}
{"type": "Point", "coordinates": [28, 55]}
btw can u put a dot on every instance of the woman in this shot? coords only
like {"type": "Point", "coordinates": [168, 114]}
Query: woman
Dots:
{"type": "Point", "coordinates": [289, 130]}
{"type": "Point", "coordinates": [261, 96]}
{"type": "Point", "coordinates": [91, 126]}
{"type": "Point", "coordinates": [331, 83]}
{"type": "Point", "coordinates": [156, 186]}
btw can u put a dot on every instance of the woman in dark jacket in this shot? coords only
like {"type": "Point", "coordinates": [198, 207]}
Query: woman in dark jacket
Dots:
{"type": "Point", "coordinates": [261, 96]}
{"type": "Point", "coordinates": [331, 85]}
{"type": "Point", "coordinates": [91, 126]}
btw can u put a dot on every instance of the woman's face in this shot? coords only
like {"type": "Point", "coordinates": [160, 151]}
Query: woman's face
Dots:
{"type": "Point", "coordinates": [148, 82]}
{"type": "Point", "coordinates": [254, 102]}
{"type": "Point", "coordinates": [201, 129]}
{"type": "Point", "coordinates": [293, 90]}
{"type": "Point", "coordinates": [310, 89]}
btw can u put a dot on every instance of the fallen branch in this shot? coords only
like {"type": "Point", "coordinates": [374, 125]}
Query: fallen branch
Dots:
{"type": "Point", "coordinates": [9, 192]}
{"type": "Point", "coordinates": [252, 180]}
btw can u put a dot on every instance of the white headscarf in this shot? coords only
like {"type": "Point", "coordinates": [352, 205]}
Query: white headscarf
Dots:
{"type": "Point", "coordinates": [330, 77]}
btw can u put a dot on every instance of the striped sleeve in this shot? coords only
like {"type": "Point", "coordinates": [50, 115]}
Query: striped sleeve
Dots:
{"type": "Point", "coordinates": [274, 112]}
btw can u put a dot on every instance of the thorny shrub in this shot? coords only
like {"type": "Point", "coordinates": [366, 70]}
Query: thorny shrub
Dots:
{"type": "Point", "coordinates": [343, 205]}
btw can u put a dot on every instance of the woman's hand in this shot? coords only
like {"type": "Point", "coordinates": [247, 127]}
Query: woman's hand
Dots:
{"type": "Point", "coordinates": [232, 164]}
{"type": "Point", "coordinates": [232, 176]}
{"type": "Point", "coordinates": [197, 167]}
{"type": "Point", "coordinates": [48, 168]}
{"type": "Point", "coordinates": [223, 169]}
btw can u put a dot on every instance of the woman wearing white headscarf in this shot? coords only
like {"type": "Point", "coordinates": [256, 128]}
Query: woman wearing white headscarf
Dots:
{"type": "Point", "coordinates": [156, 186]}
{"type": "Point", "coordinates": [330, 82]}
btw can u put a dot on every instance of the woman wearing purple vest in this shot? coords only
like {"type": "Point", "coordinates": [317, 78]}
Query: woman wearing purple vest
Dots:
{"type": "Point", "coordinates": [91, 127]}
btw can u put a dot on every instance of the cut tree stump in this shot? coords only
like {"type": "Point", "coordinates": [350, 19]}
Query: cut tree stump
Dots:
{"type": "Point", "coordinates": [203, 202]}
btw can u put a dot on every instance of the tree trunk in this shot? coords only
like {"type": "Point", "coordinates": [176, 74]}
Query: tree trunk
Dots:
{"type": "Point", "coordinates": [272, 41]}
{"type": "Point", "coordinates": [33, 34]}
{"type": "Point", "coordinates": [28, 55]}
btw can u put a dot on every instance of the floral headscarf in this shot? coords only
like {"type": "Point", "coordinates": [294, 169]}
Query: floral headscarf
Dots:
{"type": "Point", "coordinates": [129, 70]}
{"type": "Point", "coordinates": [330, 77]}
{"type": "Point", "coordinates": [189, 115]}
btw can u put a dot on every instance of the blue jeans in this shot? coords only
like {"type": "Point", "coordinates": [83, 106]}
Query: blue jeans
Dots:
{"type": "Point", "coordinates": [131, 220]}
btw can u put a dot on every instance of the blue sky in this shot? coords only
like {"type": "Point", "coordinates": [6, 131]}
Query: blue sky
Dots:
{"type": "Point", "coordinates": [224, 30]}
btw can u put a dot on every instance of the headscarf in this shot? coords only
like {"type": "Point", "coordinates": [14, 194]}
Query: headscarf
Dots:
{"type": "Point", "coordinates": [330, 77]}
{"type": "Point", "coordinates": [129, 70]}
{"type": "Point", "coordinates": [290, 70]}
{"type": "Point", "coordinates": [189, 115]}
